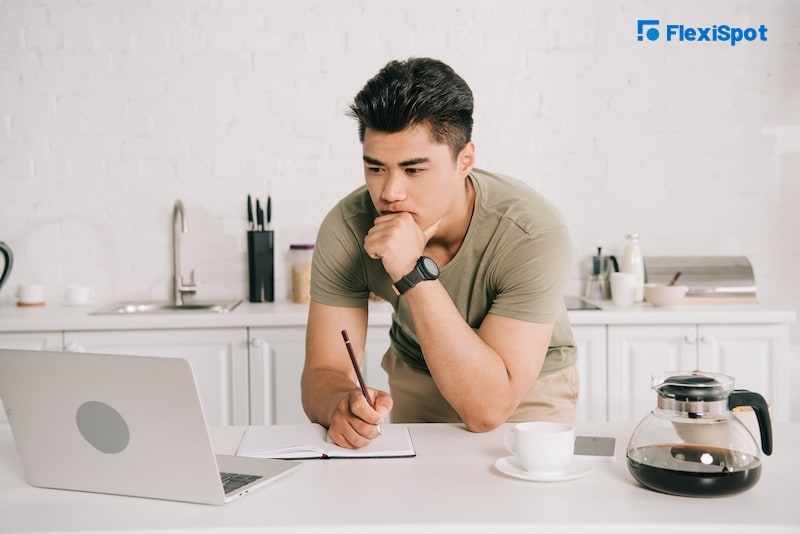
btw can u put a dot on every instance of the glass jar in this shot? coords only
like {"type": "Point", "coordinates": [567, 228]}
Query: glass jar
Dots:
{"type": "Point", "coordinates": [300, 259]}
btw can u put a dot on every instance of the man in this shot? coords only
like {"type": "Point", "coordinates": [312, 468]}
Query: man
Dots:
{"type": "Point", "coordinates": [474, 265]}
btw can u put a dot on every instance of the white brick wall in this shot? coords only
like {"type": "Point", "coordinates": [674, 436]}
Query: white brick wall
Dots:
{"type": "Point", "coordinates": [112, 109]}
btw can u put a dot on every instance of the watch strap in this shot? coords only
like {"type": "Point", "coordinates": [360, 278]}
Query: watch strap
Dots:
{"type": "Point", "coordinates": [417, 275]}
{"type": "Point", "coordinates": [408, 281]}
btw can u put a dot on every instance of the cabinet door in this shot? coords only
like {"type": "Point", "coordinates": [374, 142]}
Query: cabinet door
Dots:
{"type": "Point", "coordinates": [262, 368]}
{"type": "Point", "coordinates": [756, 356]}
{"type": "Point", "coordinates": [276, 363]}
{"type": "Point", "coordinates": [29, 341]}
{"type": "Point", "coordinates": [32, 340]}
{"type": "Point", "coordinates": [591, 343]}
{"type": "Point", "coordinates": [376, 346]}
{"type": "Point", "coordinates": [218, 358]}
{"type": "Point", "coordinates": [277, 356]}
{"type": "Point", "coordinates": [635, 353]}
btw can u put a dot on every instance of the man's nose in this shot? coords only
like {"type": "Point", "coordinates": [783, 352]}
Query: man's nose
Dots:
{"type": "Point", "coordinates": [394, 189]}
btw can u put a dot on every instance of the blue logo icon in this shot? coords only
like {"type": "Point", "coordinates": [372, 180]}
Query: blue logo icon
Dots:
{"type": "Point", "coordinates": [652, 33]}
{"type": "Point", "coordinates": [650, 29]}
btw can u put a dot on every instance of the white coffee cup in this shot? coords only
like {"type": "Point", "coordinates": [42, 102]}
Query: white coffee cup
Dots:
{"type": "Point", "coordinates": [540, 446]}
{"type": "Point", "coordinates": [623, 288]}
{"type": "Point", "coordinates": [30, 294]}
{"type": "Point", "coordinates": [78, 295]}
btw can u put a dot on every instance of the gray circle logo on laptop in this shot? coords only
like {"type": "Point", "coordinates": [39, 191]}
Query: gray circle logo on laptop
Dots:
{"type": "Point", "coordinates": [103, 427]}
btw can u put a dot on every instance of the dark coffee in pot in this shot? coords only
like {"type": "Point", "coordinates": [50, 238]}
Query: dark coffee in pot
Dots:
{"type": "Point", "coordinates": [693, 470]}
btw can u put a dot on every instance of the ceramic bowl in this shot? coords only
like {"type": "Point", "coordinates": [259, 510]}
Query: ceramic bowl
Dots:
{"type": "Point", "coordinates": [661, 295]}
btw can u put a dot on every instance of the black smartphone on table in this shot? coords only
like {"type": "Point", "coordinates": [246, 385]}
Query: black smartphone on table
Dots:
{"type": "Point", "coordinates": [595, 448]}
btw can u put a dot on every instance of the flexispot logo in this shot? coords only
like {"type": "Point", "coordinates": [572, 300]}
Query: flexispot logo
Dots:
{"type": "Point", "coordinates": [651, 30]}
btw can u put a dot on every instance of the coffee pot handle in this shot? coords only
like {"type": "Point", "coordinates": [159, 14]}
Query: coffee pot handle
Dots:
{"type": "Point", "coordinates": [6, 251]}
{"type": "Point", "coordinates": [613, 261]}
{"type": "Point", "coordinates": [742, 397]}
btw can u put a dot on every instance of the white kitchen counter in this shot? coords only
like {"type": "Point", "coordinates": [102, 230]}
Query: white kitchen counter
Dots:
{"type": "Point", "coordinates": [450, 486]}
{"type": "Point", "coordinates": [247, 314]}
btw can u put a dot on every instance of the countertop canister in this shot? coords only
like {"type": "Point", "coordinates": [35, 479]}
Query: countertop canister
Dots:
{"type": "Point", "coordinates": [300, 258]}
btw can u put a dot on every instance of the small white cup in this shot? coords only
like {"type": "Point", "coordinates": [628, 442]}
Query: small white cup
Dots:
{"type": "Point", "coordinates": [542, 447]}
{"type": "Point", "coordinates": [623, 288]}
{"type": "Point", "coordinates": [78, 295]}
{"type": "Point", "coordinates": [30, 294]}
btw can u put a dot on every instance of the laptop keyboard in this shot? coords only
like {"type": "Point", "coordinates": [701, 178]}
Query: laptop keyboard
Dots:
{"type": "Point", "coordinates": [233, 481]}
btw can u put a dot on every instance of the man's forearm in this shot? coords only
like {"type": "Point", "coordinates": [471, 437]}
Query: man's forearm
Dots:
{"type": "Point", "coordinates": [470, 374]}
{"type": "Point", "coordinates": [322, 391]}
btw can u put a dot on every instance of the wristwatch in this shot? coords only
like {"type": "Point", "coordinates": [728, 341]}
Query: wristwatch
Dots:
{"type": "Point", "coordinates": [426, 269]}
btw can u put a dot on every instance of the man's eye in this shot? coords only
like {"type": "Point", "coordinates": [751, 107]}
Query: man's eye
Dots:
{"type": "Point", "coordinates": [374, 170]}
{"type": "Point", "coordinates": [412, 170]}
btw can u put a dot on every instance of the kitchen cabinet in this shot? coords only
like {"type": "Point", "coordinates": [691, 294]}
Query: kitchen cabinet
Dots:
{"type": "Point", "coordinates": [32, 340]}
{"type": "Point", "coordinates": [276, 363]}
{"type": "Point", "coordinates": [754, 355]}
{"type": "Point", "coordinates": [218, 356]}
{"type": "Point", "coordinates": [376, 346]}
{"type": "Point", "coordinates": [277, 356]}
{"type": "Point", "coordinates": [590, 341]}
{"type": "Point", "coordinates": [248, 362]}
{"type": "Point", "coordinates": [29, 341]}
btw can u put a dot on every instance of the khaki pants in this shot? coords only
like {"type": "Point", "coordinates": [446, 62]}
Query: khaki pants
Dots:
{"type": "Point", "coordinates": [553, 397]}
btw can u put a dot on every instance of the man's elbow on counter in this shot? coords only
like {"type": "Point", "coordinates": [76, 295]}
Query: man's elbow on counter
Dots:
{"type": "Point", "coordinates": [482, 424]}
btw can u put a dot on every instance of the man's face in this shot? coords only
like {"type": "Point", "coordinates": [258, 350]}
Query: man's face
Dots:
{"type": "Point", "coordinates": [408, 172]}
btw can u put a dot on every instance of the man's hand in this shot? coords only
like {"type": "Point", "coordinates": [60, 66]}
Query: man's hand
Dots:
{"type": "Point", "coordinates": [398, 242]}
{"type": "Point", "coordinates": [354, 423]}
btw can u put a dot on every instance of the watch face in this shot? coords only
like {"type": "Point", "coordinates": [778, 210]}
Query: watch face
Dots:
{"type": "Point", "coordinates": [430, 266]}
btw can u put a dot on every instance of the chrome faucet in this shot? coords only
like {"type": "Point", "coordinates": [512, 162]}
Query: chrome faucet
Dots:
{"type": "Point", "coordinates": [179, 226]}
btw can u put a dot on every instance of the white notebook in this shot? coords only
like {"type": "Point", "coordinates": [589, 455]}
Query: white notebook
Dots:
{"type": "Point", "coordinates": [310, 440]}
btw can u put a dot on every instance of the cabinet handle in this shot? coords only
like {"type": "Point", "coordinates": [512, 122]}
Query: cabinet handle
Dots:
{"type": "Point", "coordinates": [257, 342]}
{"type": "Point", "coordinates": [73, 347]}
{"type": "Point", "coordinates": [706, 339]}
{"type": "Point", "coordinates": [691, 339]}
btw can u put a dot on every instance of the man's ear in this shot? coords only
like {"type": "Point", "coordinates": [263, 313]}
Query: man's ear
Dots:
{"type": "Point", "coordinates": [466, 158]}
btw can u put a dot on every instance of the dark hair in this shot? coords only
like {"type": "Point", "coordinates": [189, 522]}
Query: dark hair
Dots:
{"type": "Point", "coordinates": [415, 92]}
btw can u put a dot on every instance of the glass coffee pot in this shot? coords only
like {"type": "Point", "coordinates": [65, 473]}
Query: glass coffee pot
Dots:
{"type": "Point", "coordinates": [692, 444]}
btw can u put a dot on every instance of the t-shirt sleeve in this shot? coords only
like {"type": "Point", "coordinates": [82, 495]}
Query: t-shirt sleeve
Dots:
{"type": "Point", "coordinates": [338, 276]}
{"type": "Point", "coordinates": [531, 276]}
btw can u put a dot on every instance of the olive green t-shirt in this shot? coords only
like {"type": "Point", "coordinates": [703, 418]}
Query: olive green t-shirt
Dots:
{"type": "Point", "coordinates": [514, 262]}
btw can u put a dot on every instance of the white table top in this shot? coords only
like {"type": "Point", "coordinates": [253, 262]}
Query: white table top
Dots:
{"type": "Point", "coordinates": [451, 486]}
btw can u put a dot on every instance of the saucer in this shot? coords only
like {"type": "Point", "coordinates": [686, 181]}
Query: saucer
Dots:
{"type": "Point", "coordinates": [509, 466]}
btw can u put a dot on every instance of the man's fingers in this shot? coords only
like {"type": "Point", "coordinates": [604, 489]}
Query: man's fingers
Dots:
{"type": "Point", "coordinates": [430, 231]}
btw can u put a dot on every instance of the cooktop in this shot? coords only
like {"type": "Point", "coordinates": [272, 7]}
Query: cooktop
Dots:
{"type": "Point", "coordinates": [577, 303]}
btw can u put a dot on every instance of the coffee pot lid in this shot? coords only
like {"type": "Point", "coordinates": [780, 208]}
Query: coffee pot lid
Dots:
{"type": "Point", "coordinates": [693, 386]}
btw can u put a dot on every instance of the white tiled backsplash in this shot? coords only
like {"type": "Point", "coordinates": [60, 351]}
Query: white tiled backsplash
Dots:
{"type": "Point", "coordinates": [111, 110]}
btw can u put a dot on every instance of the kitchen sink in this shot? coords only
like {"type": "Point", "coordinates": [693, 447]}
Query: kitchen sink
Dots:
{"type": "Point", "coordinates": [136, 308]}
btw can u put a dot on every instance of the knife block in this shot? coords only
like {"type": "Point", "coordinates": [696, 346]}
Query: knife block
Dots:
{"type": "Point", "coordinates": [261, 265]}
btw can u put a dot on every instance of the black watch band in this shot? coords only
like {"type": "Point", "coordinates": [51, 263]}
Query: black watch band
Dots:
{"type": "Point", "coordinates": [425, 269]}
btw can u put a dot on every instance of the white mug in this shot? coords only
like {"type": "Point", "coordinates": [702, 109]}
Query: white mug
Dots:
{"type": "Point", "coordinates": [30, 294]}
{"type": "Point", "coordinates": [623, 288]}
{"type": "Point", "coordinates": [542, 447]}
{"type": "Point", "coordinates": [78, 295]}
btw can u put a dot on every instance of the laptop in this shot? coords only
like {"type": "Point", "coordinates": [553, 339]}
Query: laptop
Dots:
{"type": "Point", "coordinates": [125, 425]}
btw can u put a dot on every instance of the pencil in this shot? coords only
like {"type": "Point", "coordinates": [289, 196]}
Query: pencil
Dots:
{"type": "Point", "coordinates": [359, 376]}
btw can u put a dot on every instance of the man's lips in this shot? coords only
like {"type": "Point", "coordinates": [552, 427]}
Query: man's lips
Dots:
{"type": "Point", "coordinates": [394, 211]}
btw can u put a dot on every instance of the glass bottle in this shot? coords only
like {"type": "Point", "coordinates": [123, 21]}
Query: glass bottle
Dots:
{"type": "Point", "coordinates": [633, 262]}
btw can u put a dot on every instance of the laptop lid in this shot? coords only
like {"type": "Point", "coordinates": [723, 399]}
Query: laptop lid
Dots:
{"type": "Point", "coordinates": [126, 425]}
